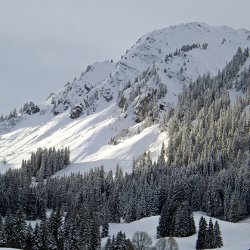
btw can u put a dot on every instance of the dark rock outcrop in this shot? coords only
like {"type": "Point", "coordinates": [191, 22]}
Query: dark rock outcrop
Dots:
{"type": "Point", "coordinates": [32, 110]}
{"type": "Point", "coordinates": [75, 112]}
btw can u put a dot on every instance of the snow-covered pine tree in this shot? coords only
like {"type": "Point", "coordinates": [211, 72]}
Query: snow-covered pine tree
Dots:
{"type": "Point", "coordinates": [45, 238]}
{"type": "Point", "coordinates": [210, 235]}
{"type": "Point", "coordinates": [201, 242]}
{"type": "Point", "coordinates": [36, 239]}
{"type": "Point", "coordinates": [184, 225]}
{"type": "Point", "coordinates": [108, 245]}
{"type": "Point", "coordinates": [105, 229]}
{"type": "Point", "coordinates": [120, 242]}
{"type": "Point", "coordinates": [29, 238]}
{"type": "Point", "coordinates": [55, 224]}
{"type": "Point", "coordinates": [164, 228]}
{"type": "Point", "coordinates": [218, 241]}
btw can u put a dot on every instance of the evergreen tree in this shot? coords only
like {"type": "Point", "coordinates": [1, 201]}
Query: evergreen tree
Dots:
{"type": "Point", "coordinates": [210, 235]}
{"type": "Point", "coordinates": [46, 240]}
{"type": "Point", "coordinates": [55, 223]}
{"type": "Point", "coordinates": [20, 229]}
{"type": "Point", "coordinates": [129, 245]}
{"type": "Point", "coordinates": [15, 230]}
{"type": "Point", "coordinates": [201, 242]}
{"type": "Point", "coordinates": [72, 239]}
{"type": "Point", "coordinates": [105, 229]}
{"type": "Point", "coordinates": [161, 159]}
{"type": "Point", "coordinates": [164, 227]}
{"type": "Point", "coordinates": [218, 242]}
{"type": "Point", "coordinates": [36, 239]}
{"type": "Point", "coordinates": [233, 213]}
{"type": "Point", "coordinates": [66, 156]}
{"type": "Point", "coordinates": [29, 239]}
{"type": "Point", "coordinates": [95, 235]}
{"type": "Point", "coordinates": [120, 241]}
{"type": "Point", "coordinates": [184, 221]}
{"type": "Point", "coordinates": [108, 245]}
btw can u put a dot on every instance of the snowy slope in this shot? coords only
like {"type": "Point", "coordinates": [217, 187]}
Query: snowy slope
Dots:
{"type": "Point", "coordinates": [82, 89]}
{"type": "Point", "coordinates": [87, 137]}
{"type": "Point", "coordinates": [140, 75]}
{"type": "Point", "coordinates": [235, 235]}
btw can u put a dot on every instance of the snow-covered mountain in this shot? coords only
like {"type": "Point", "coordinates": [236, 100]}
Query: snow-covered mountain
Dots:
{"type": "Point", "coordinates": [112, 112]}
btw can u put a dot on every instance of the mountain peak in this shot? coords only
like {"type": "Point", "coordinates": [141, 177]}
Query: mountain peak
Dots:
{"type": "Point", "coordinates": [110, 102]}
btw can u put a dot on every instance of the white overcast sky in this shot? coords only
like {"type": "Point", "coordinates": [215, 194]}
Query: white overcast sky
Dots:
{"type": "Point", "coordinates": [45, 43]}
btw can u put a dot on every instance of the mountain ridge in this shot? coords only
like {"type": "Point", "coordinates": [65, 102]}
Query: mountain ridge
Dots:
{"type": "Point", "coordinates": [115, 99]}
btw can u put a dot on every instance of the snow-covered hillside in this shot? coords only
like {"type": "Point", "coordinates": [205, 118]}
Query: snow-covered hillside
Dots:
{"type": "Point", "coordinates": [235, 235]}
{"type": "Point", "coordinates": [88, 139]}
{"type": "Point", "coordinates": [115, 100]}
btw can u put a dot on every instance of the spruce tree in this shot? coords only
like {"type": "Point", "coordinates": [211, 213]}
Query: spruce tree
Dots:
{"type": "Point", "coordinates": [36, 239]}
{"type": "Point", "coordinates": [108, 245]}
{"type": "Point", "coordinates": [20, 229]}
{"type": "Point", "coordinates": [129, 245]}
{"type": "Point", "coordinates": [210, 235]}
{"type": "Point", "coordinates": [201, 242]}
{"type": "Point", "coordinates": [218, 242]}
{"type": "Point", "coordinates": [184, 225]}
{"type": "Point", "coordinates": [95, 234]}
{"type": "Point", "coordinates": [46, 240]}
{"type": "Point", "coordinates": [29, 239]}
{"type": "Point", "coordinates": [10, 230]}
{"type": "Point", "coordinates": [55, 223]}
{"type": "Point", "coordinates": [72, 241]}
{"type": "Point", "coordinates": [164, 227]}
{"type": "Point", "coordinates": [120, 241]}
{"type": "Point", "coordinates": [105, 228]}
